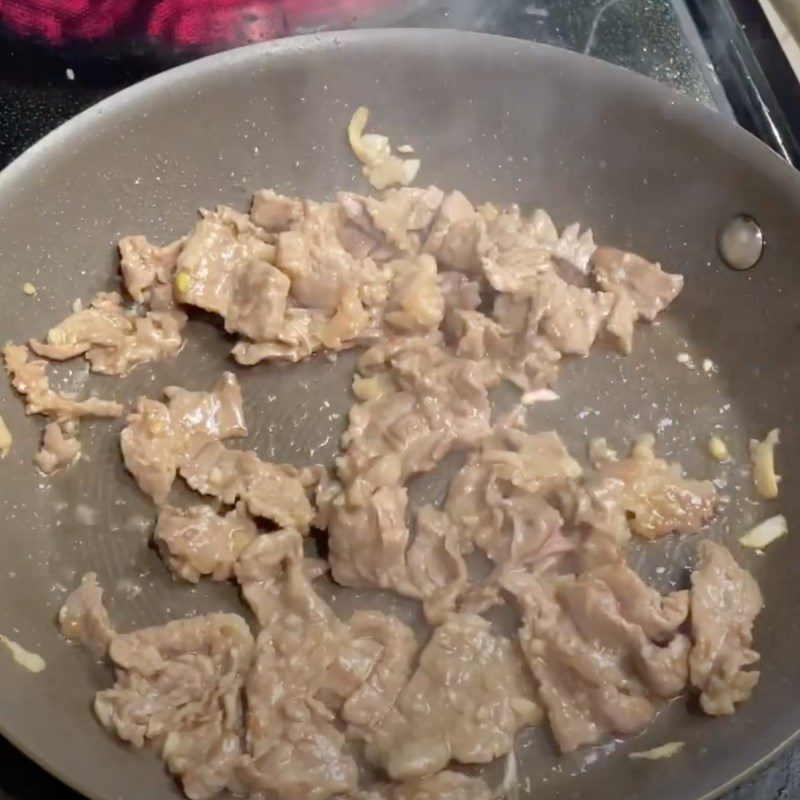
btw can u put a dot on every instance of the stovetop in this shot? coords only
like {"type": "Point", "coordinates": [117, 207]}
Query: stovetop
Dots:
{"type": "Point", "coordinates": [59, 57]}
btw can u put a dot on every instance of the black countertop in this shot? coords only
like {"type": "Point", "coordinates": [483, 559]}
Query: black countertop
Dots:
{"type": "Point", "coordinates": [42, 86]}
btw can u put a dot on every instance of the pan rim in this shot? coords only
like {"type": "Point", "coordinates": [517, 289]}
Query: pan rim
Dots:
{"type": "Point", "coordinates": [683, 107]}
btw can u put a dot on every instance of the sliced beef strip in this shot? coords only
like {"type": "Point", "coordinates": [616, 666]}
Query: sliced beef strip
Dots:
{"type": "Point", "coordinates": [655, 495]}
{"type": "Point", "coordinates": [498, 499]}
{"type": "Point", "coordinates": [299, 337]}
{"type": "Point", "coordinates": [305, 331]}
{"type": "Point", "coordinates": [431, 403]}
{"type": "Point", "coordinates": [30, 379]}
{"type": "Point", "coordinates": [514, 351]}
{"type": "Point", "coordinates": [395, 224]}
{"type": "Point", "coordinates": [293, 748]}
{"type": "Point", "coordinates": [275, 212]}
{"type": "Point", "coordinates": [147, 269]}
{"type": "Point", "coordinates": [597, 672]}
{"type": "Point", "coordinates": [317, 296]}
{"type": "Point", "coordinates": [84, 618]}
{"type": "Point", "coordinates": [178, 687]}
{"type": "Point", "coordinates": [60, 448]}
{"type": "Point", "coordinates": [421, 405]}
{"type": "Point", "coordinates": [415, 304]}
{"type": "Point", "coordinates": [220, 243]}
{"type": "Point", "coordinates": [368, 541]}
{"type": "Point", "coordinates": [658, 615]}
{"type": "Point", "coordinates": [725, 601]}
{"type": "Point", "coordinates": [198, 541]}
{"type": "Point", "coordinates": [277, 492]}
{"type": "Point", "coordinates": [392, 647]}
{"type": "Point", "coordinates": [159, 438]}
{"type": "Point", "coordinates": [257, 307]}
{"type": "Point", "coordinates": [114, 339]}
{"type": "Point", "coordinates": [571, 317]}
{"type": "Point", "coordinates": [466, 701]}
{"type": "Point", "coordinates": [445, 785]}
{"type": "Point", "coordinates": [456, 237]}
{"type": "Point", "coordinates": [319, 267]}
{"type": "Point", "coordinates": [435, 563]}
{"type": "Point", "coordinates": [644, 283]}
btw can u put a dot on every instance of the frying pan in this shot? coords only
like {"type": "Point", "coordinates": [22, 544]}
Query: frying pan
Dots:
{"type": "Point", "coordinates": [501, 120]}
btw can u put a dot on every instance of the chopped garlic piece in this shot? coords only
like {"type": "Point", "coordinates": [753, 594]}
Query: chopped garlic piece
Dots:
{"type": "Point", "coordinates": [709, 366]}
{"type": "Point", "coordinates": [509, 789]}
{"type": "Point", "coordinates": [5, 438]}
{"type": "Point", "coordinates": [762, 455]}
{"type": "Point", "coordinates": [405, 148]}
{"type": "Point", "coordinates": [29, 289]}
{"type": "Point", "coordinates": [31, 661]}
{"type": "Point", "coordinates": [381, 168]}
{"type": "Point", "coordinates": [600, 453]}
{"type": "Point", "coordinates": [644, 446]}
{"type": "Point", "coordinates": [664, 751]}
{"type": "Point", "coordinates": [718, 448]}
{"type": "Point", "coordinates": [765, 532]}
{"type": "Point", "coordinates": [182, 282]}
{"type": "Point", "coordinates": [539, 396]}
{"type": "Point", "coordinates": [371, 388]}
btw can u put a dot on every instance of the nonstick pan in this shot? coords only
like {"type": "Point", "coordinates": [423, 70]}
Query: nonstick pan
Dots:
{"type": "Point", "coordinates": [502, 120]}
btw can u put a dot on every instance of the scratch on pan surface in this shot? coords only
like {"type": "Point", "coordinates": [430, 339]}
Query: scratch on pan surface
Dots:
{"type": "Point", "coordinates": [595, 23]}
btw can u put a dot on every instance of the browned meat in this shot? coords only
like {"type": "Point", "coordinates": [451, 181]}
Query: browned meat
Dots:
{"type": "Point", "coordinates": [658, 615]}
{"type": "Point", "coordinates": [257, 307]}
{"type": "Point", "coordinates": [368, 542]}
{"type": "Point", "coordinates": [725, 602]}
{"type": "Point", "coordinates": [415, 304]}
{"type": "Point", "coordinates": [444, 785]}
{"type": "Point", "coordinates": [147, 270]}
{"type": "Point", "coordinates": [573, 247]}
{"type": "Point", "coordinates": [30, 379]}
{"type": "Point", "coordinates": [391, 646]}
{"type": "Point", "coordinates": [466, 701]}
{"type": "Point", "coordinates": [318, 265]}
{"type": "Point", "coordinates": [83, 616]}
{"type": "Point", "coordinates": [571, 317]}
{"type": "Point", "coordinates": [198, 541]}
{"type": "Point", "coordinates": [425, 404]}
{"type": "Point", "coordinates": [519, 251]}
{"type": "Point", "coordinates": [293, 749]}
{"type": "Point", "coordinates": [178, 686]}
{"type": "Point", "coordinates": [644, 283]}
{"type": "Point", "coordinates": [436, 567]}
{"type": "Point", "coordinates": [597, 671]}
{"type": "Point", "coordinates": [160, 438]}
{"type": "Point", "coordinates": [451, 299]}
{"type": "Point", "coordinates": [221, 243]}
{"type": "Point", "coordinates": [419, 404]}
{"type": "Point", "coordinates": [59, 449]}
{"type": "Point", "coordinates": [620, 322]}
{"type": "Point", "coordinates": [513, 349]}
{"type": "Point", "coordinates": [275, 212]}
{"type": "Point", "coordinates": [497, 500]}
{"type": "Point", "coordinates": [394, 224]}
{"type": "Point", "coordinates": [654, 494]}
{"type": "Point", "coordinates": [300, 336]}
{"type": "Point", "coordinates": [274, 491]}
{"type": "Point", "coordinates": [456, 238]}
{"type": "Point", "coordinates": [114, 339]}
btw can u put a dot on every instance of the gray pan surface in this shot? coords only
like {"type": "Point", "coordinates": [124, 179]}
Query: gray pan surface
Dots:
{"type": "Point", "coordinates": [501, 120]}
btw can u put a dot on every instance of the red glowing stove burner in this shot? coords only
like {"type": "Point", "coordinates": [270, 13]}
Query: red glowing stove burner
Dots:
{"type": "Point", "coordinates": [186, 23]}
